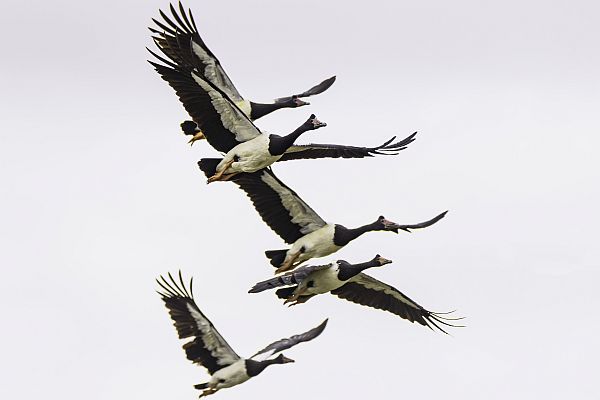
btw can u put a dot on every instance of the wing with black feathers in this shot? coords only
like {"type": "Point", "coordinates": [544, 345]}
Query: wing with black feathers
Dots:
{"type": "Point", "coordinates": [284, 344]}
{"type": "Point", "coordinates": [316, 150]}
{"type": "Point", "coordinates": [224, 125]}
{"type": "Point", "coordinates": [278, 205]}
{"type": "Point", "coordinates": [208, 347]}
{"type": "Point", "coordinates": [320, 88]}
{"type": "Point", "coordinates": [179, 39]}
{"type": "Point", "coordinates": [368, 291]}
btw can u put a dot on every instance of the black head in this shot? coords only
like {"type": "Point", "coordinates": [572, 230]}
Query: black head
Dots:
{"type": "Point", "coordinates": [281, 359]}
{"type": "Point", "coordinates": [296, 102]}
{"type": "Point", "coordinates": [313, 123]}
{"type": "Point", "coordinates": [383, 224]}
{"type": "Point", "coordinates": [379, 261]}
{"type": "Point", "coordinates": [347, 270]}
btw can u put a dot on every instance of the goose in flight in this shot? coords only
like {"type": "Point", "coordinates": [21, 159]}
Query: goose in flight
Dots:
{"type": "Point", "coordinates": [229, 130]}
{"type": "Point", "coordinates": [179, 39]}
{"type": "Point", "coordinates": [209, 349]}
{"type": "Point", "coordinates": [298, 224]}
{"type": "Point", "coordinates": [347, 281]}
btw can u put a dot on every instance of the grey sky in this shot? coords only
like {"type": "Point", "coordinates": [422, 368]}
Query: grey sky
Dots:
{"type": "Point", "coordinates": [102, 194]}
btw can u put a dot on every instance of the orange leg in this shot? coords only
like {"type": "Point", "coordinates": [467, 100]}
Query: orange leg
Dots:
{"type": "Point", "coordinates": [289, 264]}
{"type": "Point", "coordinates": [302, 299]}
{"type": "Point", "coordinates": [229, 176]}
{"type": "Point", "coordinates": [294, 297]}
{"type": "Point", "coordinates": [218, 175]}
{"type": "Point", "coordinates": [197, 136]}
{"type": "Point", "coordinates": [208, 392]}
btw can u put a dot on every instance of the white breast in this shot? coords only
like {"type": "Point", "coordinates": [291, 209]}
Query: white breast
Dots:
{"type": "Point", "coordinates": [252, 156]}
{"type": "Point", "coordinates": [325, 280]}
{"type": "Point", "coordinates": [231, 375]}
{"type": "Point", "coordinates": [316, 244]}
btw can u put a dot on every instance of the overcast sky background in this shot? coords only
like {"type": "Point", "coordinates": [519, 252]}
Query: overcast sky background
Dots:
{"type": "Point", "coordinates": [101, 194]}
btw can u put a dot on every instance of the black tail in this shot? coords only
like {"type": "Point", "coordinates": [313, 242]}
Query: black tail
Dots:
{"type": "Point", "coordinates": [278, 281]}
{"type": "Point", "coordinates": [284, 293]}
{"type": "Point", "coordinates": [266, 285]}
{"type": "Point", "coordinates": [189, 128]}
{"type": "Point", "coordinates": [276, 256]}
{"type": "Point", "coordinates": [209, 166]}
{"type": "Point", "coordinates": [201, 386]}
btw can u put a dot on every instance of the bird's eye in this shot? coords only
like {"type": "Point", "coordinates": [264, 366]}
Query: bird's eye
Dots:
{"type": "Point", "coordinates": [310, 284]}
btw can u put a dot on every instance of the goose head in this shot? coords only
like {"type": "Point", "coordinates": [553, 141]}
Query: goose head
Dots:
{"type": "Point", "coordinates": [296, 101]}
{"type": "Point", "coordinates": [347, 270]}
{"type": "Point", "coordinates": [383, 224]}
{"type": "Point", "coordinates": [379, 261]}
{"type": "Point", "coordinates": [313, 123]}
{"type": "Point", "coordinates": [279, 144]}
{"type": "Point", "coordinates": [281, 359]}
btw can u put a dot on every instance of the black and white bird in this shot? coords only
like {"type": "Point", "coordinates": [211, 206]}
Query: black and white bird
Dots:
{"type": "Point", "coordinates": [209, 349]}
{"type": "Point", "coordinates": [179, 39]}
{"type": "Point", "coordinates": [229, 130]}
{"type": "Point", "coordinates": [347, 281]}
{"type": "Point", "coordinates": [299, 225]}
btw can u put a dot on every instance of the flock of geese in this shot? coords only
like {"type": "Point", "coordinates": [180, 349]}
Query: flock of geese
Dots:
{"type": "Point", "coordinates": [225, 119]}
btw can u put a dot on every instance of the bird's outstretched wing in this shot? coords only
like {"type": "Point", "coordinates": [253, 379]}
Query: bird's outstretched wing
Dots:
{"type": "Point", "coordinates": [368, 291]}
{"type": "Point", "coordinates": [422, 225]}
{"type": "Point", "coordinates": [278, 205]}
{"type": "Point", "coordinates": [320, 88]}
{"type": "Point", "coordinates": [291, 278]}
{"type": "Point", "coordinates": [208, 347]}
{"type": "Point", "coordinates": [178, 37]}
{"type": "Point", "coordinates": [284, 344]}
{"type": "Point", "coordinates": [224, 125]}
{"type": "Point", "coordinates": [315, 150]}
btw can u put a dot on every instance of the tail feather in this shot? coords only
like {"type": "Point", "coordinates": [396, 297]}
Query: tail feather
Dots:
{"type": "Point", "coordinates": [209, 166]}
{"type": "Point", "coordinates": [277, 257]}
{"type": "Point", "coordinates": [266, 285]}
{"type": "Point", "coordinates": [278, 281]}
{"type": "Point", "coordinates": [284, 293]}
{"type": "Point", "coordinates": [189, 128]}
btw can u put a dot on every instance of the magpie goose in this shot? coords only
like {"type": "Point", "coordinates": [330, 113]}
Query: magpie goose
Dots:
{"type": "Point", "coordinates": [209, 349]}
{"type": "Point", "coordinates": [299, 225]}
{"type": "Point", "coordinates": [179, 39]}
{"type": "Point", "coordinates": [347, 281]}
{"type": "Point", "coordinates": [229, 130]}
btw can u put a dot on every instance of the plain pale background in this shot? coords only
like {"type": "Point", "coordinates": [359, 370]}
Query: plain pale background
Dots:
{"type": "Point", "coordinates": [101, 194]}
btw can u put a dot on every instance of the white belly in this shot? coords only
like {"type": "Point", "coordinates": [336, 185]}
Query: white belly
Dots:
{"type": "Point", "coordinates": [315, 244]}
{"type": "Point", "coordinates": [325, 280]}
{"type": "Point", "coordinates": [231, 375]}
{"type": "Point", "coordinates": [252, 156]}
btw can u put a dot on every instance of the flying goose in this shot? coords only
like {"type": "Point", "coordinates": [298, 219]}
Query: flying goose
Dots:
{"type": "Point", "coordinates": [347, 281]}
{"type": "Point", "coordinates": [209, 349]}
{"type": "Point", "coordinates": [298, 224]}
{"type": "Point", "coordinates": [229, 130]}
{"type": "Point", "coordinates": [179, 39]}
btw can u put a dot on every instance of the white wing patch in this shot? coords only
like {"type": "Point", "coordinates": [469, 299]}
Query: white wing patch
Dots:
{"type": "Point", "coordinates": [231, 117]}
{"type": "Point", "coordinates": [373, 284]}
{"type": "Point", "coordinates": [302, 215]}
{"type": "Point", "coordinates": [311, 146]}
{"type": "Point", "coordinates": [212, 339]}
{"type": "Point", "coordinates": [215, 74]}
{"type": "Point", "coordinates": [244, 105]}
